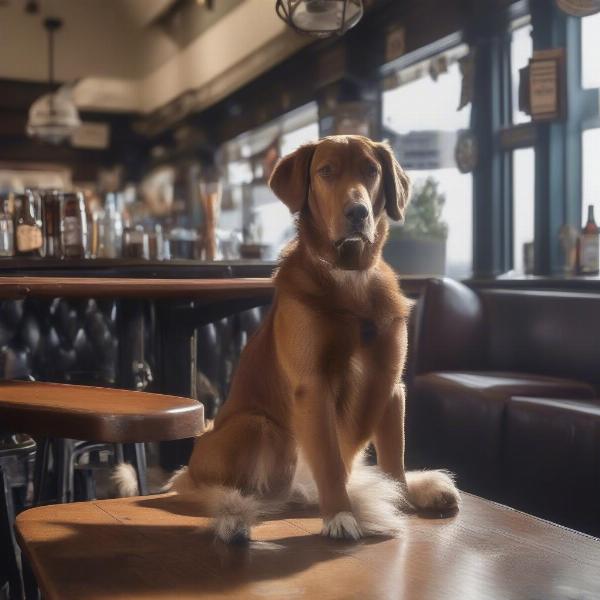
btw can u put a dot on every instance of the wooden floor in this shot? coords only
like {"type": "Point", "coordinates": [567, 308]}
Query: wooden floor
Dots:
{"type": "Point", "coordinates": [157, 547]}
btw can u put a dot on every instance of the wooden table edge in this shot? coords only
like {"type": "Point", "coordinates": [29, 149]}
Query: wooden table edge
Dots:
{"type": "Point", "coordinates": [132, 287]}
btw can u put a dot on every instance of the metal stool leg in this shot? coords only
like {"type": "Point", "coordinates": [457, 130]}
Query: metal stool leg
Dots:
{"type": "Point", "coordinates": [140, 468]}
{"type": "Point", "coordinates": [118, 454]}
{"type": "Point", "coordinates": [40, 477]}
{"type": "Point", "coordinates": [63, 467]}
{"type": "Point", "coordinates": [7, 539]}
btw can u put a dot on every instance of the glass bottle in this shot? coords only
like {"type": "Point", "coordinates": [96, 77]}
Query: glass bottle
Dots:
{"type": "Point", "coordinates": [589, 248]}
{"type": "Point", "coordinates": [51, 224]}
{"type": "Point", "coordinates": [73, 226]}
{"type": "Point", "coordinates": [110, 231]}
{"type": "Point", "coordinates": [28, 228]}
{"type": "Point", "coordinates": [7, 237]}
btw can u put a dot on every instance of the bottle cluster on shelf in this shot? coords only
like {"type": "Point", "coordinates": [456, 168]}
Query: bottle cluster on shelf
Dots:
{"type": "Point", "coordinates": [56, 224]}
{"type": "Point", "coordinates": [47, 223]}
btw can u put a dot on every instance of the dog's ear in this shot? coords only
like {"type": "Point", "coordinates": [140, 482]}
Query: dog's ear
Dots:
{"type": "Point", "coordinates": [396, 184]}
{"type": "Point", "coordinates": [290, 178]}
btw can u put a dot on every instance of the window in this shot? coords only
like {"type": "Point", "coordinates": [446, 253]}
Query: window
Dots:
{"type": "Point", "coordinates": [590, 78]}
{"type": "Point", "coordinates": [423, 130]}
{"type": "Point", "coordinates": [521, 49]}
{"type": "Point", "coordinates": [591, 173]}
{"type": "Point", "coordinates": [590, 51]}
{"type": "Point", "coordinates": [250, 210]}
{"type": "Point", "coordinates": [523, 207]}
{"type": "Point", "coordinates": [290, 141]}
{"type": "Point", "coordinates": [523, 159]}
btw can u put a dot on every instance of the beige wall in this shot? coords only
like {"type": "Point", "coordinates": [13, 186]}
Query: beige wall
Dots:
{"type": "Point", "coordinates": [128, 61]}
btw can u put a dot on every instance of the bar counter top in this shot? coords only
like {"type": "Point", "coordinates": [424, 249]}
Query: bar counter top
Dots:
{"type": "Point", "coordinates": [136, 278]}
{"type": "Point", "coordinates": [132, 287]}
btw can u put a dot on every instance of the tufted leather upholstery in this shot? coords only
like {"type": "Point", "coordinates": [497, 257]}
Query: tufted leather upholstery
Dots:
{"type": "Point", "coordinates": [59, 340]}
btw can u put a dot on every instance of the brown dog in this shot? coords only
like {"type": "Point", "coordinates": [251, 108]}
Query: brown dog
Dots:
{"type": "Point", "coordinates": [321, 378]}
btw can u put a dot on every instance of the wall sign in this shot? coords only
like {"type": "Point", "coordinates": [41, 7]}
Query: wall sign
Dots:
{"type": "Point", "coordinates": [579, 8]}
{"type": "Point", "coordinates": [547, 94]}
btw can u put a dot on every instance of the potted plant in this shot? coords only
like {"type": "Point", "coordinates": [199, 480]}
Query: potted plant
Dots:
{"type": "Point", "coordinates": [418, 247]}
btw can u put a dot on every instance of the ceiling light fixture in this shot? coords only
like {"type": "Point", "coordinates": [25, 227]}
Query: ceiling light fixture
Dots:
{"type": "Point", "coordinates": [53, 117]}
{"type": "Point", "coordinates": [320, 18]}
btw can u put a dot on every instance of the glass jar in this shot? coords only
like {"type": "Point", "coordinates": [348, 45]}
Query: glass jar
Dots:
{"type": "Point", "coordinates": [135, 243]}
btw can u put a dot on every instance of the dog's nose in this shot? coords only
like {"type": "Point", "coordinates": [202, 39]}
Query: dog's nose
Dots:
{"type": "Point", "coordinates": [356, 212]}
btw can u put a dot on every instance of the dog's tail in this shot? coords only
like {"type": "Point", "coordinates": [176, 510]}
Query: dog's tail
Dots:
{"type": "Point", "coordinates": [234, 513]}
{"type": "Point", "coordinates": [125, 480]}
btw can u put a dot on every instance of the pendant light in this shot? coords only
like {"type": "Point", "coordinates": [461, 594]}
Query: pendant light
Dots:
{"type": "Point", "coordinates": [320, 18]}
{"type": "Point", "coordinates": [53, 117]}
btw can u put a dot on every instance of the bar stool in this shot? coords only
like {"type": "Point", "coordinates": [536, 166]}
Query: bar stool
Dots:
{"type": "Point", "coordinates": [13, 449]}
{"type": "Point", "coordinates": [49, 411]}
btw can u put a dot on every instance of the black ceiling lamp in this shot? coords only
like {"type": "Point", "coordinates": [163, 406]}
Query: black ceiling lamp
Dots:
{"type": "Point", "coordinates": [320, 18]}
{"type": "Point", "coordinates": [53, 117]}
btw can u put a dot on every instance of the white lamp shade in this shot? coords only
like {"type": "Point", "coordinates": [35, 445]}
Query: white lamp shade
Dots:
{"type": "Point", "coordinates": [321, 18]}
{"type": "Point", "coordinates": [53, 117]}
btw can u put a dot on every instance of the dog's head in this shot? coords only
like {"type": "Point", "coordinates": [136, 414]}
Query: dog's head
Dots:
{"type": "Point", "coordinates": [344, 186]}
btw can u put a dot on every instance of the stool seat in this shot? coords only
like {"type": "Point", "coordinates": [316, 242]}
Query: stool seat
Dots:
{"type": "Point", "coordinates": [100, 414]}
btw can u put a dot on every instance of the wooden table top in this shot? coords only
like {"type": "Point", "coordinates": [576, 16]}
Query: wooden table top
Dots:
{"type": "Point", "coordinates": [158, 547]}
{"type": "Point", "coordinates": [97, 414]}
{"type": "Point", "coordinates": [99, 287]}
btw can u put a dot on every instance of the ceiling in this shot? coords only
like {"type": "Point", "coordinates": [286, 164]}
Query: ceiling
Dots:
{"type": "Point", "coordinates": [142, 54]}
{"type": "Point", "coordinates": [117, 38]}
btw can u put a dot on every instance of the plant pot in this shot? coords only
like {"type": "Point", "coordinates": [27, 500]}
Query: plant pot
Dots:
{"type": "Point", "coordinates": [416, 256]}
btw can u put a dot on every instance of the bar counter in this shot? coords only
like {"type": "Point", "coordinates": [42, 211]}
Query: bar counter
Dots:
{"type": "Point", "coordinates": [134, 287]}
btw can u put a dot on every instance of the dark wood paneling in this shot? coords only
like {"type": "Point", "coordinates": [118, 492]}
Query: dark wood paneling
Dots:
{"type": "Point", "coordinates": [126, 146]}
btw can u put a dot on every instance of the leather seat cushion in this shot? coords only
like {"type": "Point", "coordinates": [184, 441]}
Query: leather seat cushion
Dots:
{"type": "Point", "coordinates": [552, 460]}
{"type": "Point", "coordinates": [459, 419]}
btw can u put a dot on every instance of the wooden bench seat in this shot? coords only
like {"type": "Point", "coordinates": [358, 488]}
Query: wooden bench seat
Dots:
{"type": "Point", "coordinates": [159, 547]}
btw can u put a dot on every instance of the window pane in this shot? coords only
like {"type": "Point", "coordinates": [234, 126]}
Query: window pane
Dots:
{"type": "Point", "coordinates": [424, 130]}
{"type": "Point", "coordinates": [523, 204]}
{"type": "Point", "coordinates": [250, 212]}
{"type": "Point", "coordinates": [590, 51]}
{"type": "Point", "coordinates": [591, 173]}
{"type": "Point", "coordinates": [521, 48]}
{"type": "Point", "coordinates": [290, 141]}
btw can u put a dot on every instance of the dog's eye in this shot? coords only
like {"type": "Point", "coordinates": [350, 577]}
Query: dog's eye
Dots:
{"type": "Point", "coordinates": [326, 171]}
{"type": "Point", "coordinates": [372, 170]}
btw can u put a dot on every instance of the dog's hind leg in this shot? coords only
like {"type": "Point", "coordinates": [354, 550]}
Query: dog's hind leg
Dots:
{"type": "Point", "coordinates": [238, 472]}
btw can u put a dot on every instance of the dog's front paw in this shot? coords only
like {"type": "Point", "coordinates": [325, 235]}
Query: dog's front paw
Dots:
{"type": "Point", "coordinates": [343, 525]}
{"type": "Point", "coordinates": [432, 491]}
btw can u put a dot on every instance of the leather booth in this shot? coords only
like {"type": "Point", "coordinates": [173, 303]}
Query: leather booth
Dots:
{"type": "Point", "coordinates": [503, 392]}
